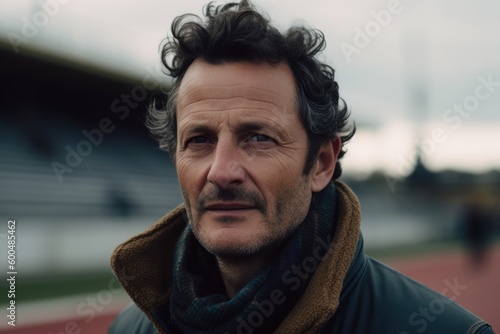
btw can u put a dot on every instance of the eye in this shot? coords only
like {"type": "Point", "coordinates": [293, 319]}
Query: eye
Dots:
{"type": "Point", "coordinates": [259, 137]}
{"type": "Point", "coordinates": [198, 140]}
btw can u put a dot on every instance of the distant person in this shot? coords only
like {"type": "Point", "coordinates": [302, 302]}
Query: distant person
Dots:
{"type": "Point", "coordinates": [268, 239]}
{"type": "Point", "coordinates": [477, 230]}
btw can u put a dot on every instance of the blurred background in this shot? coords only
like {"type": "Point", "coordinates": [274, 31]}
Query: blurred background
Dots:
{"type": "Point", "coordinates": [80, 174]}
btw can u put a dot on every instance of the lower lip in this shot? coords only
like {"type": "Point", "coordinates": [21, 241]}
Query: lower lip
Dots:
{"type": "Point", "coordinates": [236, 212]}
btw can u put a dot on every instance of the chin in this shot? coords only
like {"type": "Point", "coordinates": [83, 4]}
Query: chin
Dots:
{"type": "Point", "coordinates": [234, 245]}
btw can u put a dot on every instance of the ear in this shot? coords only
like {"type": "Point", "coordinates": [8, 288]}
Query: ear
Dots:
{"type": "Point", "coordinates": [324, 167]}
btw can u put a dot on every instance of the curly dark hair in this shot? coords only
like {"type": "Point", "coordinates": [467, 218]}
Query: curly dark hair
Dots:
{"type": "Point", "coordinates": [237, 32]}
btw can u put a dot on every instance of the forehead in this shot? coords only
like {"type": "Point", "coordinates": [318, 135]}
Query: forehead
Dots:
{"type": "Point", "coordinates": [258, 82]}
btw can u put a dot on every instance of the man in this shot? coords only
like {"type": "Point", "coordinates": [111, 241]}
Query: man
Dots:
{"type": "Point", "coordinates": [267, 241]}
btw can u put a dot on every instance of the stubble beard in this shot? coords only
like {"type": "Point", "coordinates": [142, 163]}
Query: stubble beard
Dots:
{"type": "Point", "coordinates": [287, 208]}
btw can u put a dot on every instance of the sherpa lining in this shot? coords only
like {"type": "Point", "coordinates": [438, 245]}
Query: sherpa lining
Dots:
{"type": "Point", "coordinates": [143, 265]}
{"type": "Point", "coordinates": [321, 299]}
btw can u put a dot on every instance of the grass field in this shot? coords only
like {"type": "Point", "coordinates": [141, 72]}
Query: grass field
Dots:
{"type": "Point", "coordinates": [41, 287]}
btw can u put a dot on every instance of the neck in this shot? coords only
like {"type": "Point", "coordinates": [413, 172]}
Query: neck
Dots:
{"type": "Point", "coordinates": [236, 272]}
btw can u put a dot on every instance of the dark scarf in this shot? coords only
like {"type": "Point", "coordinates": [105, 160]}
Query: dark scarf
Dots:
{"type": "Point", "coordinates": [199, 304]}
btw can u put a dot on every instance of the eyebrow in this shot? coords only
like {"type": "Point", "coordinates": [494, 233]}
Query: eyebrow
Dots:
{"type": "Point", "coordinates": [243, 127]}
{"type": "Point", "coordinates": [249, 126]}
{"type": "Point", "coordinates": [196, 128]}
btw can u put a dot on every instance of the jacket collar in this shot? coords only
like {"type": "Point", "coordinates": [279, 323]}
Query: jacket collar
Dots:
{"type": "Point", "coordinates": [143, 266]}
{"type": "Point", "coordinates": [311, 312]}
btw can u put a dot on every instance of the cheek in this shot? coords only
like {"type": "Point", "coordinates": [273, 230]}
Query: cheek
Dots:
{"type": "Point", "coordinates": [282, 162]}
{"type": "Point", "coordinates": [290, 160]}
{"type": "Point", "coordinates": [277, 173]}
{"type": "Point", "coordinates": [189, 175]}
{"type": "Point", "coordinates": [293, 200]}
{"type": "Point", "coordinates": [285, 174]}
{"type": "Point", "coordinates": [186, 165]}
{"type": "Point", "coordinates": [181, 171]}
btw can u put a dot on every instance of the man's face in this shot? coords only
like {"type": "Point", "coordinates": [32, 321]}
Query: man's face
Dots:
{"type": "Point", "coordinates": [241, 150]}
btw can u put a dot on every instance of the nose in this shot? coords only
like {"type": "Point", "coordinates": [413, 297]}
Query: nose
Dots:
{"type": "Point", "coordinates": [226, 169]}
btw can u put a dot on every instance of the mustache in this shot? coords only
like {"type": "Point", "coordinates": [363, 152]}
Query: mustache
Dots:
{"type": "Point", "coordinates": [231, 194]}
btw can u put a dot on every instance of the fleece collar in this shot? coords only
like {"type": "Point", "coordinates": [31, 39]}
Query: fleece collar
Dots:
{"type": "Point", "coordinates": [143, 265]}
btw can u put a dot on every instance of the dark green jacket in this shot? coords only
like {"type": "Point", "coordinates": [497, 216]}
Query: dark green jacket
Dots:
{"type": "Point", "coordinates": [350, 293]}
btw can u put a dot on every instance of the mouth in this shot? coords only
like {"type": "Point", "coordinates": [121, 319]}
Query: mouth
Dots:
{"type": "Point", "coordinates": [228, 206]}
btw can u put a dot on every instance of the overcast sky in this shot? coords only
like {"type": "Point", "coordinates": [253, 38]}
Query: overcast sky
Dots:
{"type": "Point", "coordinates": [386, 53]}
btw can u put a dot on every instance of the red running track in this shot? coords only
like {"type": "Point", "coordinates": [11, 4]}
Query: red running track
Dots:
{"type": "Point", "coordinates": [454, 274]}
{"type": "Point", "coordinates": [474, 288]}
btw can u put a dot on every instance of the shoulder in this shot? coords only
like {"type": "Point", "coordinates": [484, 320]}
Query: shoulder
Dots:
{"type": "Point", "coordinates": [132, 320]}
{"type": "Point", "coordinates": [383, 300]}
{"type": "Point", "coordinates": [421, 308]}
